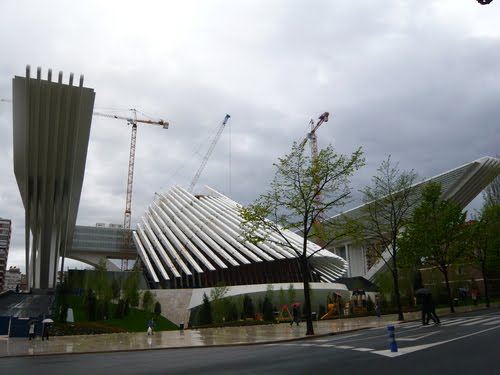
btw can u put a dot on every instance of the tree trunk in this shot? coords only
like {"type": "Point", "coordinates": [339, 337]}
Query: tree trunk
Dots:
{"type": "Point", "coordinates": [304, 264]}
{"type": "Point", "coordinates": [396, 292]}
{"type": "Point", "coordinates": [395, 277]}
{"type": "Point", "coordinates": [448, 290]}
{"type": "Point", "coordinates": [486, 293]}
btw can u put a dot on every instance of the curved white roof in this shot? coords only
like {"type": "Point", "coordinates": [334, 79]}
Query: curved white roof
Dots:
{"type": "Point", "coordinates": [198, 237]}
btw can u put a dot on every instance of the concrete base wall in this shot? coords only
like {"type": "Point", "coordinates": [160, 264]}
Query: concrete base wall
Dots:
{"type": "Point", "coordinates": [174, 304]}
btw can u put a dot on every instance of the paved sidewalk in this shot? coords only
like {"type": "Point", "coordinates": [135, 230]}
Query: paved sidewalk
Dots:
{"type": "Point", "coordinates": [11, 347]}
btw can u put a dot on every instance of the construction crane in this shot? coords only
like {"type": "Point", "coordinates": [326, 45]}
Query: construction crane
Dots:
{"type": "Point", "coordinates": [128, 202]}
{"type": "Point", "coordinates": [312, 134]}
{"type": "Point", "coordinates": [209, 152]}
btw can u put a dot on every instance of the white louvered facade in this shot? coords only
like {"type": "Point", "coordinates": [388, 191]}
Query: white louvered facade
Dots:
{"type": "Point", "coordinates": [194, 241]}
{"type": "Point", "coordinates": [51, 130]}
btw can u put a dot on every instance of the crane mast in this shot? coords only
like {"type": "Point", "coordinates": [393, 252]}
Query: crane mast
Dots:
{"type": "Point", "coordinates": [311, 136]}
{"type": "Point", "coordinates": [127, 238]}
{"type": "Point", "coordinates": [209, 152]}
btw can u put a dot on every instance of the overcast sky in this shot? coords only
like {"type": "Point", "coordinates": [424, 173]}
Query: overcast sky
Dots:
{"type": "Point", "coordinates": [419, 80]}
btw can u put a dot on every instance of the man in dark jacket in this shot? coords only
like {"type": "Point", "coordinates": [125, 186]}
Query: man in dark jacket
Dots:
{"type": "Point", "coordinates": [429, 310]}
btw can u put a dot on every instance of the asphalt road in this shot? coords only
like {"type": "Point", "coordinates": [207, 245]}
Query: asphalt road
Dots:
{"type": "Point", "coordinates": [462, 344]}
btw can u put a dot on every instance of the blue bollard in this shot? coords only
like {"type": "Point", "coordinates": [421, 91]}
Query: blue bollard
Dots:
{"type": "Point", "coordinates": [392, 339]}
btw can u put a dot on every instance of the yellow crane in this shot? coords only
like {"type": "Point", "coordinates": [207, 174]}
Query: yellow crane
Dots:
{"type": "Point", "coordinates": [130, 178]}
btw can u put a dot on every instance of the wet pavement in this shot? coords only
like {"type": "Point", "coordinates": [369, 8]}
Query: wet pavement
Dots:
{"type": "Point", "coordinates": [11, 347]}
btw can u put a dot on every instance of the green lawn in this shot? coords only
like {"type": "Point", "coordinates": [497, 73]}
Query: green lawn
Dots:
{"type": "Point", "coordinates": [135, 321]}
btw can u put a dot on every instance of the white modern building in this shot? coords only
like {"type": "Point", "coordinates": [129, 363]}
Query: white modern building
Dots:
{"type": "Point", "coordinates": [188, 241]}
{"type": "Point", "coordinates": [461, 185]}
{"type": "Point", "coordinates": [51, 130]}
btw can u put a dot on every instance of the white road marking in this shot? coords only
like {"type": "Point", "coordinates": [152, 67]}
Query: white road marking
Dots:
{"type": "Point", "coordinates": [497, 321]}
{"type": "Point", "coordinates": [412, 349]}
{"type": "Point", "coordinates": [363, 349]}
{"type": "Point", "coordinates": [415, 338]}
{"type": "Point", "coordinates": [327, 345]}
{"type": "Point", "coordinates": [344, 346]}
{"type": "Point", "coordinates": [481, 322]}
{"type": "Point", "coordinates": [344, 337]}
{"type": "Point", "coordinates": [475, 320]}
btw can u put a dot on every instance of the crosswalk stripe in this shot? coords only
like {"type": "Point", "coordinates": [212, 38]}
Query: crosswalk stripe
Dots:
{"type": "Point", "coordinates": [493, 322]}
{"type": "Point", "coordinates": [461, 321]}
{"type": "Point", "coordinates": [481, 322]}
{"type": "Point", "coordinates": [364, 349]}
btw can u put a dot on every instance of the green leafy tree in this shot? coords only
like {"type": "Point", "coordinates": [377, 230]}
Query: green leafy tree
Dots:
{"type": "Point", "coordinates": [292, 294]}
{"type": "Point", "coordinates": [435, 236]}
{"type": "Point", "coordinates": [217, 295]}
{"type": "Point", "coordinates": [389, 201]}
{"type": "Point", "coordinates": [205, 314]}
{"type": "Point", "coordinates": [116, 289]}
{"type": "Point", "coordinates": [491, 194]}
{"type": "Point", "coordinates": [158, 308]}
{"type": "Point", "coordinates": [304, 191]}
{"type": "Point", "coordinates": [483, 251]}
{"type": "Point", "coordinates": [131, 291]}
{"type": "Point", "coordinates": [148, 300]}
{"type": "Point", "coordinates": [248, 307]}
{"type": "Point", "coordinates": [282, 296]}
{"type": "Point", "coordinates": [267, 309]}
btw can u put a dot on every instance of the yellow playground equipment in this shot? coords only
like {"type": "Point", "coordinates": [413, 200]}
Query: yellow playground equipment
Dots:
{"type": "Point", "coordinates": [285, 315]}
{"type": "Point", "coordinates": [332, 309]}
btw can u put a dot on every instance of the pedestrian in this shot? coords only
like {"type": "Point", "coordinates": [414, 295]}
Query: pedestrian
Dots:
{"type": "Point", "coordinates": [32, 330]}
{"type": "Point", "coordinates": [426, 307]}
{"type": "Point", "coordinates": [377, 305]}
{"type": "Point", "coordinates": [151, 327]}
{"type": "Point", "coordinates": [430, 310]}
{"type": "Point", "coordinates": [295, 315]}
{"type": "Point", "coordinates": [45, 331]}
{"type": "Point", "coordinates": [473, 294]}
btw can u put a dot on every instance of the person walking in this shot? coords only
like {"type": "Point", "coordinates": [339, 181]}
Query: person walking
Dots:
{"type": "Point", "coordinates": [151, 327]}
{"type": "Point", "coordinates": [295, 315]}
{"type": "Point", "coordinates": [432, 311]}
{"type": "Point", "coordinates": [426, 309]}
{"type": "Point", "coordinates": [32, 330]}
{"type": "Point", "coordinates": [377, 305]}
{"type": "Point", "coordinates": [429, 310]}
{"type": "Point", "coordinates": [45, 331]}
{"type": "Point", "coordinates": [473, 294]}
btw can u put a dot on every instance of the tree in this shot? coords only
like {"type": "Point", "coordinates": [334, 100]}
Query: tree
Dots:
{"type": "Point", "coordinates": [388, 205]}
{"type": "Point", "coordinates": [248, 308]}
{"type": "Point", "coordinates": [131, 290]}
{"type": "Point", "coordinates": [217, 295]}
{"type": "Point", "coordinates": [303, 192]}
{"type": "Point", "coordinates": [435, 236]}
{"type": "Point", "coordinates": [148, 300]}
{"type": "Point", "coordinates": [205, 313]}
{"type": "Point", "coordinates": [157, 308]}
{"type": "Point", "coordinates": [484, 243]}
{"type": "Point", "coordinates": [491, 194]}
